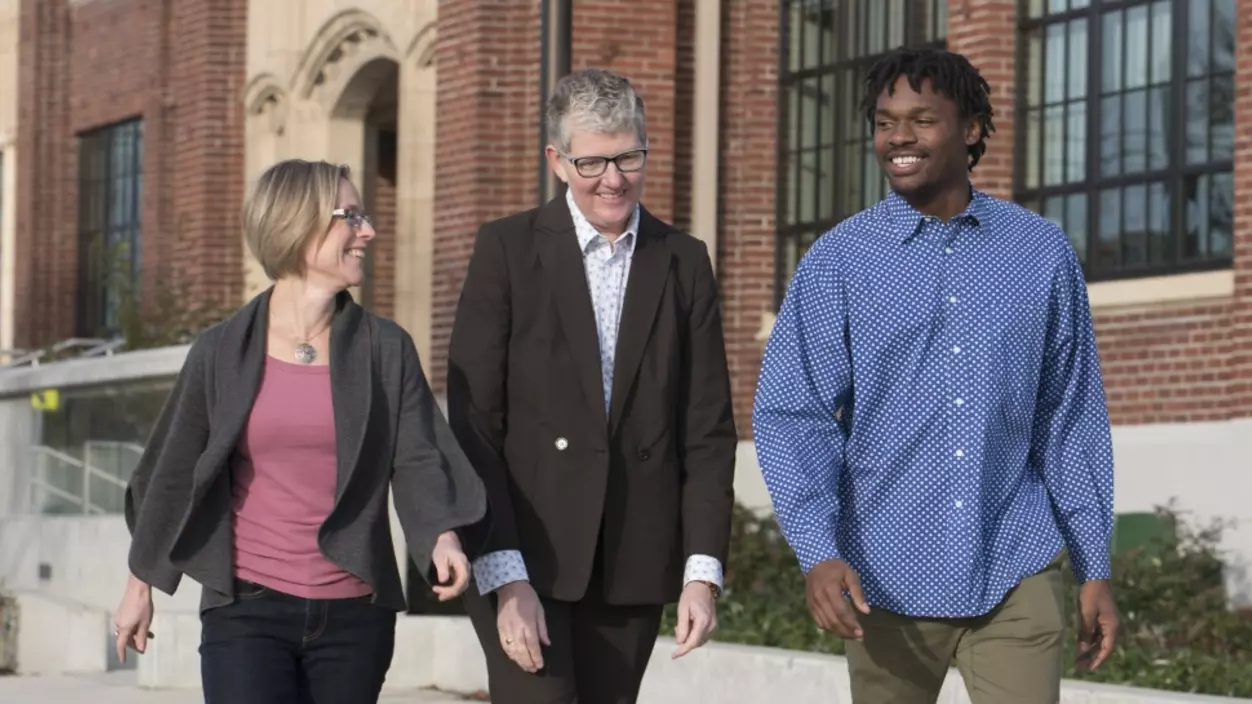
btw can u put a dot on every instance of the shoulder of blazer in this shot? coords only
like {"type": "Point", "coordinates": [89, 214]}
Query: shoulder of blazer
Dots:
{"type": "Point", "coordinates": [686, 247]}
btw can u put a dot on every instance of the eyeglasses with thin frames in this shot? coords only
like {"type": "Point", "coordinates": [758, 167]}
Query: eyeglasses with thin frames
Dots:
{"type": "Point", "coordinates": [593, 166]}
{"type": "Point", "coordinates": [352, 217]}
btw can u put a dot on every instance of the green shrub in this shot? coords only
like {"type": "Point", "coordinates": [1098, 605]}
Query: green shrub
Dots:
{"type": "Point", "coordinates": [1177, 632]}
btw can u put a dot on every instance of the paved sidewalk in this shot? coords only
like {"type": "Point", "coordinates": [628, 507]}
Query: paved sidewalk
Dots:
{"type": "Point", "coordinates": [119, 688]}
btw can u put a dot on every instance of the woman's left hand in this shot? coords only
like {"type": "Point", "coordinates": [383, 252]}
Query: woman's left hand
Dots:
{"type": "Point", "coordinates": [451, 565]}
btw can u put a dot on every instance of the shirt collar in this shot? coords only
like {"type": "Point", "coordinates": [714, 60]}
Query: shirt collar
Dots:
{"type": "Point", "coordinates": [908, 220]}
{"type": "Point", "coordinates": [587, 233]}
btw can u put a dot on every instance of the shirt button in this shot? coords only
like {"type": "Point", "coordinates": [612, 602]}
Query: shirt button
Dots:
{"type": "Point", "coordinates": [947, 250]}
{"type": "Point", "coordinates": [951, 299]}
{"type": "Point", "coordinates": [960, 453]}
{"type": "Point", "coordinates": [959, 402]}
{"type": "Point", "coordinates": [956, 349]}
{"type": "Point", "coordinates": [561, 444]}
{"type": "Point", "coordinates": [959, 503]}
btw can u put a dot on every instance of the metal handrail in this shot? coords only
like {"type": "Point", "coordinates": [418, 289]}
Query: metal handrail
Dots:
{"type": "Point", "coordinates": [91, 346]}
{"type": "Point", "coordinates": [39, 481]}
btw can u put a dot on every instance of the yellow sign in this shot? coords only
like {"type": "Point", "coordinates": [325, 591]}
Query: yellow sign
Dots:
{"type": "Point", "coordinates": [47, 400]}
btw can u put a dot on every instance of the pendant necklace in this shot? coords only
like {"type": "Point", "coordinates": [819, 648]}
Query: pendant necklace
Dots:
{"type": "Point", "coordinates": [306, 353]}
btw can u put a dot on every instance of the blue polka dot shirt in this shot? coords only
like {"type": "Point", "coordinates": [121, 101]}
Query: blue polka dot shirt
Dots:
{"type": "Point", "coordinates": [930, 407]}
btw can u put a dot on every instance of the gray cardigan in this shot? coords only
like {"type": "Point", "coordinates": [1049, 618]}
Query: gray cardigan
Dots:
{"type": "Point", "coordinates": [388, 428]}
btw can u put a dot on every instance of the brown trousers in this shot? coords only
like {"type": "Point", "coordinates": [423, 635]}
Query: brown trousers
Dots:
{"type": "Point", "coordinates": [1012, 655]}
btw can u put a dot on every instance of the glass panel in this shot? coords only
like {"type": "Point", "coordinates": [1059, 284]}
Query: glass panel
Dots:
{"type": "Point", "coordinates": [795, 36]}
{"type": "Point", "coordinates": [1111, 50]}
{"type": "Point", "coordinates": [872, 176]}
{"type": "Point", "coordinates": [1036, 8]}
{"type": "Point", "coordinates": [1053, 145]}
{"type": "Point", "coordinates": [1076, 223]}
{"type": "Point", "coordinates": [812, 36]}
{"type": "Point", "coordinates": [1134, 225]}
{"type": "Point", "coordinates": [829, 37]}
{"type": "Point", "coordinates": [1078, 4]}
{"type": "Point", "coordinates": [1135, 132]}
{"type": "Point", "coordinates": [1195, 239]}
{"type": "Point", "coordinates": [895, 23]}
{"type": "Point", "coordinates": [1077, 87]}
{"type": "Point", "coordinates": [1106, 254]}
{"type": "Point", "coordinates": [825, 192]}
{"type": "Point", "coordinates": [1223, 35]}
{"type": "Point", "coordinates": [1161, 41]}
{"type": "Point", "coordinates": [827, 124]}
{"type": "Point", "coordinates": [808, 186]}
{"type": "Point", "coordinates": [1198, 38]}
{"type": "Point", "coordinates": [1054, 210]}
{"type": "Point", "coordinates": [1197, 121]}
{"type": "Point", "coordinates": [1055, 6]}
{"type": "Point", "coordinates": [810, 113]}
{"type": "Point", "coordinates": [1054, 75]}
{"type": "Point", "coordinates": [788, 194]}
{"type": "Point", "coordinates": [1076, 143]}
{"type": "Point", "coordinates": [877, 30]}
{"type": "Point", "coordinates": [1158, 128]}
{"type": "Point", "coordinates": [1034, 77]}
{"type": "Point", "coordinates": [941, 19]}
{"type": "Point", "coordinates": [1159, 228]}
{"type": "Point", "coordinates": [793, 117]}
{"type": "Point", "coordinates": [1222, 117]}
{"type": "Point", "coordinates": [1137, 46]}
{"type": "Point", "coordinates": [1221, 214]}
{"type": "Point", "coordinates": [1032, 149]}
{"type": "Point", "coordinates": [1110, 135]}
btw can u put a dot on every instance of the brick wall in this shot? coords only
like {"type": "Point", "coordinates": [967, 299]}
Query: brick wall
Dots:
{"type": "Point", "coordinates": [178, 65]}
{"type": "Point", "coordinates": [638, 39]}
{"type": "Point", "coordinates": [1239, 366]}
{"type": "Point", "coordinates": [748, 165]}
{"type": "Point", "coordinates": [487, 148]}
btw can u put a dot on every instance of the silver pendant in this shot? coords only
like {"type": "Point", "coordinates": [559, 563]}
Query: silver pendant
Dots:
{"type": "Point", "coordinates": [306, 353]}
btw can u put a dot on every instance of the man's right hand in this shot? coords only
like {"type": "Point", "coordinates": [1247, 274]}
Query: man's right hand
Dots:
{"type": "Point", "coordinates": [824, 589]}
{"type": "Point", "coordinates": [521, 625]}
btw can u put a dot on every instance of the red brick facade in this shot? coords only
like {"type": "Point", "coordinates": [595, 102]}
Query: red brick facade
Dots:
{"type": "Point", "coordinates": [179, 64]}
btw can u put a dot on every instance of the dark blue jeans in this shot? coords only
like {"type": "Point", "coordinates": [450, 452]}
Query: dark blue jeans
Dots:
{"type": "Point", "coordinates": [274, 648]}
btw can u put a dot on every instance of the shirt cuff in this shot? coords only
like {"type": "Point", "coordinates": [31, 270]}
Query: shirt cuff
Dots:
{"type": "Point", "coordinates": [702, 568]}
{"type": "Point", "coordinates": [496, 569]}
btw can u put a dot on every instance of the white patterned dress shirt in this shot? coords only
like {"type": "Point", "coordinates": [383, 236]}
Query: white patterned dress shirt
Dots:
{"type": "Point", "coordinates": [607, 264]}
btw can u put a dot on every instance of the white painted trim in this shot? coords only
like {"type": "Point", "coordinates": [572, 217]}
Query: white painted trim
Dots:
{"type": "Point", "coordinates": [126, 366]}
{"type": "Point", "coordinates": [706, 137]}
{"type": "Point", "coordinates": [1162, 289]}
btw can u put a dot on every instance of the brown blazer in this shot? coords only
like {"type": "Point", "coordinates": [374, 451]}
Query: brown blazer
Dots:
{"type": "Point", "coordinates": [525, 401]}
{"type": "Point", "coordinates": [390, 435]}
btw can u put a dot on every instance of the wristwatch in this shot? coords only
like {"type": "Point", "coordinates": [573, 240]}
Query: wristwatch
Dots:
{"type": "Point", "coordinates": [717, 592]}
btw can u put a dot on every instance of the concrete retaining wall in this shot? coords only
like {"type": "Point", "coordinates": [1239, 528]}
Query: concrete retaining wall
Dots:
{"type": "Point", "coordinates": [442, 652]}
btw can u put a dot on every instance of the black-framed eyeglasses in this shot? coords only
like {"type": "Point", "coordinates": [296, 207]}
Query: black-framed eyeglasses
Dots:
{"type": "Point", "coordinates": [626, 162]}
{"type": "Point", "coordinates": [352, 217]}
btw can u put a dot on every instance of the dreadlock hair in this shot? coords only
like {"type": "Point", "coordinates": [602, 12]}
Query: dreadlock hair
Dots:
{"type": "Point", "coordinates": [950, 74]}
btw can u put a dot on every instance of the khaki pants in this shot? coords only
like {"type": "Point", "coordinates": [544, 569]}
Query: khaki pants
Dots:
{"type": "Point", "coordinates": [1011, 655]}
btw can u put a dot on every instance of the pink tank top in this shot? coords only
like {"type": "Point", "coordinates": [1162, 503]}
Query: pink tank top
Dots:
{"type": "Point", "coordinates": [283, 486]}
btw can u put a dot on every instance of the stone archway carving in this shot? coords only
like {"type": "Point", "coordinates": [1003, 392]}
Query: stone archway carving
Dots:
{"type": "Point", "coordinates": [421, 51]}
{"type": "Point", "coordinates": [347, 44]}
{"type": "Point", "coordinates": [265, 97]}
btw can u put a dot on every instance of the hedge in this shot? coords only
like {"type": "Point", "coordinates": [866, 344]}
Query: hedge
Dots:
{"type": "Point", "coordinates": [1177, 630]}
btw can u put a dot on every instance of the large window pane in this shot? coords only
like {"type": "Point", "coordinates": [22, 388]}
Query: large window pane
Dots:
{"type": "Point", "coordinates": [1156, 185]}
{"type": "Point", "coordinates": [109, 189]}
{"type": "Point", "coordinates": [828, 169]}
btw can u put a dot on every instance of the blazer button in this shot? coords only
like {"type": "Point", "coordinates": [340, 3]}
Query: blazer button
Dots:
{"type": "Point", "coordinates": [643, 455]}
{"type": "Point", "coordinates": [561, 444]}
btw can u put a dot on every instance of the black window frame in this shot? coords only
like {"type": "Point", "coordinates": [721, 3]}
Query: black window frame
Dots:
{"type": "Point", "coordinates": [1163, 249]}
{"type": "Point", "coordinates": [110, 218]}
{"type": "Point", "coordinates": [833, 197]}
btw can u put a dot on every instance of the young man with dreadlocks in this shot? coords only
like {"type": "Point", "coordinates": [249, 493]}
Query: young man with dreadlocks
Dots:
{"type": "Point", "coordinates": [930, 417]}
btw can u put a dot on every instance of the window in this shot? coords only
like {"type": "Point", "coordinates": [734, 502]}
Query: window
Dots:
{"type": "Point", "coordinates": [110, 184]}
{"type": "Point", "coordinates": [1128, 132]}
{"type": "Point", "coordinates": [827, 169]}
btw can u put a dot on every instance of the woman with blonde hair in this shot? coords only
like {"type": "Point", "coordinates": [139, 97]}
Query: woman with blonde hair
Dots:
{"type": "Point", "coordinates": [266, 477]}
